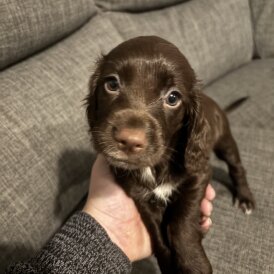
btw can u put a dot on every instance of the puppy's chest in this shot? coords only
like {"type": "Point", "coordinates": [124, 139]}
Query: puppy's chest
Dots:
{"type": "Point", "coordinates": [155, 187]}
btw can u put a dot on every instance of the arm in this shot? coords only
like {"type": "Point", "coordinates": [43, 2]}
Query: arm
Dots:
{"type": "Point", "coordinates": [81, 246]}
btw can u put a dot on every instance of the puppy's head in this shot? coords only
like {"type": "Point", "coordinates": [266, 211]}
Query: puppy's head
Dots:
{"type": "Point", "coordinates": [139, 95]}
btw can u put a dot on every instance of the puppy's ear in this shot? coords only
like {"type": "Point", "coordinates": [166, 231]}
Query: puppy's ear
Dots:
{"type": "Point", "coordinates": [197, 134]}
{"type": "Point", "coordinates": [91, 99]}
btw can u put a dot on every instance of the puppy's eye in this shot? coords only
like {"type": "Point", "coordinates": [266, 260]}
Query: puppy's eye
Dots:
{"type": "Point", "coordinates": [173, 98]}
{"type": "Point", "coordinates": [112, 84]}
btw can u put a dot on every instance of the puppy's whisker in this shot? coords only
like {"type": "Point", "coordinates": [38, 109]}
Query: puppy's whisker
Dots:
{"type": "Point", "coordinates": [168, 148]}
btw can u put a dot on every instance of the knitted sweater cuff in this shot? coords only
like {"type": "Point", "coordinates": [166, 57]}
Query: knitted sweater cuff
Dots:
{"type": "Point", "coordinates": [81, 246]}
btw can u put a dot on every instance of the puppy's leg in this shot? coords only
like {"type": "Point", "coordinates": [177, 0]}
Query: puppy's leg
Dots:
{"type": "Point", "coordinates": [152, 216]}
{"type": "Point", "coordinates": [226, 149]}
{"type": "Point", "coordinates": [184, 231]}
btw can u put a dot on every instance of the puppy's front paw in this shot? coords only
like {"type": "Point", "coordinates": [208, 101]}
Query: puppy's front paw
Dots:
{"type": "Point", "coordinates": [245, 200]}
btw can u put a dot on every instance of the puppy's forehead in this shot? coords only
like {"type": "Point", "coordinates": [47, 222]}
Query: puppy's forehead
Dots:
{"type": "Point", "coordinates": [146, 46]}
{"type": "Point", "coordinates": [152, 57]}
{"type": "Point", "coordinates": [142, 71]}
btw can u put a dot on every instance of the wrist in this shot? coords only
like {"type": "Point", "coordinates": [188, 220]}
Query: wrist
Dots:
{"type": "Point", "coordinates": [130, 236]}
{"type": "Point", "coordinates": [105, 221]}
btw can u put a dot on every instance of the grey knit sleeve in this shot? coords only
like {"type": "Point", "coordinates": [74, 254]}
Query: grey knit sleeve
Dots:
{"type": "Point", "coordinates": [81, 246]}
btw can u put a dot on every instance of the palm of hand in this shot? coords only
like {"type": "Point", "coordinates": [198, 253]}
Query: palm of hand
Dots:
{"type": "Point", "coordinates": [117, 213]}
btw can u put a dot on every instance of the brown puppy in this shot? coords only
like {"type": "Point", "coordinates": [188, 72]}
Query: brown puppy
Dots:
{"type": "Point", "coordinates": [149, 119]}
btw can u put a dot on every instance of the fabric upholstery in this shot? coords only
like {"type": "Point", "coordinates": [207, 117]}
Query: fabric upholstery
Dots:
{"type": "Point", "coordinates": [46, 156]}
{"type": "Point", "coordinates": [255, 80]}
{"type": "Point", "coordinates": [85, 248]}
{"type": "Point", "coordinates": [238, 243]}
{"type": "Point", "coordinates": [215, 35]}
{"type": "Point", "coordinates": [27, 26]}
{"type": "Point", "coordinates": [135, 5]}
{"type": "Point", "coordinates": [263, 22]}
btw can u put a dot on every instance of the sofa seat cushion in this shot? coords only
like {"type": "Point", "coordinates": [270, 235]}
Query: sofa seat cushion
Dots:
{"type": "Point", "coordinates": [255, 80]}
{"type": "Point", "coordinates": [28, 26]}
{"type": "Point", "coordinates": [46, 155]}
{"type": "Point", "coordinates": [215, 36]}
{"type": "Point", "coordinates": [239, 243]}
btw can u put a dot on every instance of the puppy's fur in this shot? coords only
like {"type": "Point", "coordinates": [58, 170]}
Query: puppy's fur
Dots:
{"type": "Point", "coordinates": [149, 118]}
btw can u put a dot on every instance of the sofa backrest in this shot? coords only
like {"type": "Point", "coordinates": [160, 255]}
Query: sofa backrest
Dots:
{"type": "Point", "coordinates": [28, 26]}
{"type": "Point", "coordinates": [215, 35]}
{"type": "Point", "coordinates": [263, 24]}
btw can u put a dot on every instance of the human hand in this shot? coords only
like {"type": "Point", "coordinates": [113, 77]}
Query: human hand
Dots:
{"type": "Point", "coordinates": [207, 207]}
{"type": "Point", "coordinates": [117, 214]}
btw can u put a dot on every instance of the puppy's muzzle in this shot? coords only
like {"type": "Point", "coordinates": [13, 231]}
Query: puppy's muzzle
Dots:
{"type": "Point", "coordinates": [131, 141]}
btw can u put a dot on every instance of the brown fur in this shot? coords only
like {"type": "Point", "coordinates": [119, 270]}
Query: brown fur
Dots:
{"type": "Point", "coordinates": [176, 147]}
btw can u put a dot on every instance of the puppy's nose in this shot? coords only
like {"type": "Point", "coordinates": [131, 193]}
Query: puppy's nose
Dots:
{"type": "Point", "coordinates": [130, 140]}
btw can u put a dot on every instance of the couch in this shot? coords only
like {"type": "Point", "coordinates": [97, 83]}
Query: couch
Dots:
{"type": "Point", "coordinates": [47, 53]}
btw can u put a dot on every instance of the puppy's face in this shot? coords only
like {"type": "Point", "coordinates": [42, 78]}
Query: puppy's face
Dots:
{"type": "Point", "coordinates": [138, 97]}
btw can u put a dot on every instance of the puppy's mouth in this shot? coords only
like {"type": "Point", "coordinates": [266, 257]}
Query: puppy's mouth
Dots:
{"type": "Point", "coordinates": [122, 163]}
{"type": "Point", "coordinates": [129, 163]}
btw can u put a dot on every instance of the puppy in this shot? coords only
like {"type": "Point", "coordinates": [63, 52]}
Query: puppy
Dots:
{"type": "Point", "coordinates": [156, 129]}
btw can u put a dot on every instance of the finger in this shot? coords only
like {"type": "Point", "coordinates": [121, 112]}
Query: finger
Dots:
{"type": "Point", "coordinates": [206, 223]}
{"type": "Point", "coordinates": [206, 207]}
{"type": "Point", "coordinates": [102, 181]}
{"type": "Point", "coordinates": [101, 168]}
{"type": "Point", "coordinates": [210, 193]}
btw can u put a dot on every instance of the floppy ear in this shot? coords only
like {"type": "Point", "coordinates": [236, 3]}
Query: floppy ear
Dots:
{"type": "Point", "coordinates": [196, 150]}
{"type": "Point", "coordinates": [91, 99]}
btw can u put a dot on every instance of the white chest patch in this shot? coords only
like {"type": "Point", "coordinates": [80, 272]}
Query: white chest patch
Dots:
{"type": "Point", "coordinates": [147, 175]}
{"type": "Point", "coordinates": [164, 191]}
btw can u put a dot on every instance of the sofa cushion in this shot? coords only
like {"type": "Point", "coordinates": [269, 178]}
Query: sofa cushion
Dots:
{"type": "Point", "coordinates": [263, 22]}
{"type": "Point", "coordinates": [215, 36]}
{"type": "Point", "coordinates": [46, 155]}
{"type": "Point", "coordinates": [28, 26]}
{"type": "Point", "coordinates": [238, 243]}
{"type": "Point", "coordinates": [256, 80]}
{"type": "Point", "coordinates": [135, 5]}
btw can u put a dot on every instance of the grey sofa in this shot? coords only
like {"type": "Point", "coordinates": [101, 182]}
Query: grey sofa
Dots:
{"type": "Point", "coordinates": [47, 52]}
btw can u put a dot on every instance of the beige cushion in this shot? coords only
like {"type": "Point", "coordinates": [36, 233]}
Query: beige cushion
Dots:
{"type": "Point", "coordinates": [28, 26]}
{"type": "Point", "coordinates": [215, 36]}
{"type": "Point", "coordinates": [254, 80]}
{"type": "Point", "coordinates": [263, 21]}
{"type": "Point", "coordinates": [46, 155]}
